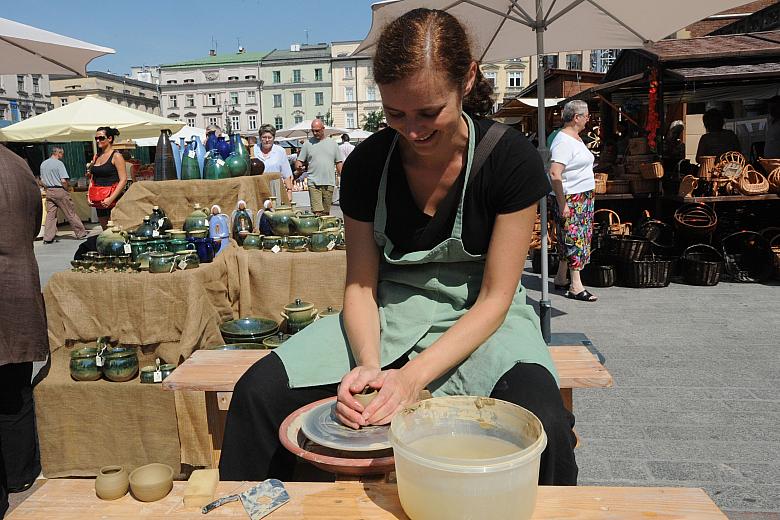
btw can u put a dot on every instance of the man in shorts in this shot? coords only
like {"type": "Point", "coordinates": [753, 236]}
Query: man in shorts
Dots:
{"type": "Point", "coordinates": [324, 160]}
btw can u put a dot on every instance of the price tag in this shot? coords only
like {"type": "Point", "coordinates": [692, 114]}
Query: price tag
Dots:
{"type": "Point", "coordinates": [276, 248]}
{"type": "Point", "coordinates": [331, 245]}
{"type": "Point", "coordinates": [157, 376]}
{"type": "Point", "coordinates": [191, 154]}
{"type": "Point", "coordinates": [183, 265]}
{"type": "Point", "coordinates": [220, 162]}
{"type": "Point", "coordinates": [160, 222]}
{"type": "Point", "coordinates": [128, 249]}
{"type": "Point", "coordinates": [155, 233]}
{"type": "Point", "coordinates": [99, 360]}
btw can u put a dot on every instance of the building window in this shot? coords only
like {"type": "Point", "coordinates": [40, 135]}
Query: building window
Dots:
{"type": "Point", "coordinates": [213, 121]}
{"type": "Point", "coordinates": [189, 80]}
{"type": "Point", "coordinates": [250, 77]}
{"type": "Point", "coordinates": [63, 102]}
{"type": "Point", "coordinates": [550, 61]}
{"type": "Point", "coordinates": [491, 77]}
{"type": "Point", "coordinates": [371, 93]}
{"type": "Point", "coordinates": [211, 100]}
{"type": "Point", "coordinates": [126, 91]}
{"type": "Point", "coordinates": [277, 76]}
{"type": "Point", "coordinates": [251, 97]}
{"type": "Point", "coordinates": [141, 94]}
{"type": "Point", "coordinates": [602, 59]}
{"type": "Point", "coordinates": [234, 98]}
{"type": "Point", "coordinates": [232, 78]}
{"type": "Point", "coordinates": [252, 122]}
{"type": "Point", "coordinates": [173, 102]}
{"type": "Point", "coordinates": [574, 61]}
{"type": "Point", "coordinates": [317, 74]}
{"type": "Point", "coordinates": [171, 82]}
{"type": "Point", "coordinates": [189, 100]}
{"type": "Point", "coordinates": [348, 70]}
{"type": "Point", "coordinates": [277, 100]}
{"type": "Point", "coordinates": [109, 88]}
{"type": "Point", "coordinates": [297, 99]}
{"type": "Point", "coordinates": [515, 79]}
{"type": "Point", "coordinates": [20, 83]}
{"type": "Point", "coordinates": [298, 119]}
{"type": "Point", "coordinates": [235, 123]}
{"type": "Point", "coordinates": [350, 118]}
{"type": "Point", "coordinates": [36, 85]}
{"type": "Point", "coordinates": [296, 75]}
{"type": "Point", "coordinates": [190, 121]}
{"type": "Point", "coordinates": [319, 98]}
{"type": "Point", "coordinates": [349, 93]}
{"type": "Point", "coordinates": [278, 123]}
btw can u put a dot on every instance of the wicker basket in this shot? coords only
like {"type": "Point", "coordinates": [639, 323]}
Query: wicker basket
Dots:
{"type": "Point", "coordinates": [644, 186]}
{"type": "Point", "coordinates": [687, 185]}
{"type": "Point", "coordinates": [774, 180]}
{"type": "Point", "coordinates": [629, 247]}
{"type": "Point", "coordinates": [645, 273]}
{"type": "Point", "coordinates": [612, 221]}
{"type": "Point", "coordinates": [653, 170]}
{"type": "Point", "coordinates": [702, 265]}
{"type": "Point", "coordinates": [601, 176]}
{"type": "Point", "coordinates": [706, 166]}
{"type": "Point", "coordinates": [601, 186]}
{"type": "Point", "coordinates": [660, 235]}
{"type": "Point", "coordinates": [552, 262]}
{"type": "Point", "coordinates": [596, 275]}
{"type": "Point", "coordinates": [751, 182]}
{"type": "Point", "coordinates": [618, 187]}
{"type": "Point", "coordinates": [769, 164]}
{"type": "Point", "coordinates": [638, 146]}
{"type": "Point", "coordinates": [695, 218]}
{"type": "Point", "coordinates": [748, 257]}
{"type": "Point", "coordinates": [730, 165]}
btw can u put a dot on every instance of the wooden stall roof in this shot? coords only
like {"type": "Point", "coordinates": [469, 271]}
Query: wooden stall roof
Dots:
{"type": "Point", "coordinates": [722, 72]}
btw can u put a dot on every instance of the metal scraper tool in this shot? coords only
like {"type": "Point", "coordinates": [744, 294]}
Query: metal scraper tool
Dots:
{"type": "Point", "coordinates": [258, 501]}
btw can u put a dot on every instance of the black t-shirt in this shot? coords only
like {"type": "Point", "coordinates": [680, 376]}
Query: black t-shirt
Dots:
{"type": "Point", "coordinates": [511, 179]}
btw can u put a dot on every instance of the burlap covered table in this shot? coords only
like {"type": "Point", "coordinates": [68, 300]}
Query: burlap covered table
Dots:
{"type": "Point", "coordinates": [178, 197]}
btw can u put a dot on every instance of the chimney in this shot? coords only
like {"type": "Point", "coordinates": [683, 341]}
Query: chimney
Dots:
{"type": "Point", "coordinates": [241, 50]}
{"type": "Point", "coordinates": [295, 47]}
{"type": "Point", "coordinates": [212, 52]}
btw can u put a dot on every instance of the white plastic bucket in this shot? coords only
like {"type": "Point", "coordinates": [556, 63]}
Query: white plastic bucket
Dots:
{"type": "Point", "coordinates": [462, 484]}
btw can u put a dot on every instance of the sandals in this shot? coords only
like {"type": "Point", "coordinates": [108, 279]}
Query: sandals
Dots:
{"type": "Point", "coordinates": [562, 287]}
{"type": "Point", "coordinates": [584, 296]}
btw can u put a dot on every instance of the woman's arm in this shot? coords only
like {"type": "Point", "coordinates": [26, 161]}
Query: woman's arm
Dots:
{"type": "Point", "coordinates": [119, 163]}
{"type": "Point", "coordinates": [285, 167]}
{"type": "Point", "coordinates": [504, 265]}
{"type": "Point", "coordinates": [556, 177]}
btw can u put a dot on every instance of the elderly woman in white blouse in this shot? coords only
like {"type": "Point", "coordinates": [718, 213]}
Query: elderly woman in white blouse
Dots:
{"type": "Point", "coordinates": [273, 156]}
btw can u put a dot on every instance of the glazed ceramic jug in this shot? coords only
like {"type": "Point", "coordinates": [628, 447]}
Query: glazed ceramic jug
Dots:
{"type": "Point", "coordinates": [215, 167]}
{"type": "Point", "coordinates": [111, 242]}
{"type": "Point", "coordinates": [160, 220]}
{"type": "Point", "coordinates": [190, 168]}
{"type": "Point", "coordinates": [224, 147]}
{"type": "Point", "coordinates": [198, 219]}
{"type": "Point", "coordinates": [329, 221]}
{"type": "Point", "coordinates": [138, 245]}
{"type": "Point", "coordinates": [176, 147]}
{"type": "Point", "coordinates": [281, 218]}
{"type": "Point", "coordinates": [242, 222]}
{"type": "Point", "coordinates": [238, 160]}
{"type": "Point", "coordinates": [164, 165]}
{"type": "Point", "coordinates": [145, 229]}
{"type": "Point", "coordinates": [204, 247]}
{"type": "Point", "coordinates": [200, 152]}
{"type": "Point", "coordinates": [322, 241]}
{"type": "Point", "coordinates": [305, 223]}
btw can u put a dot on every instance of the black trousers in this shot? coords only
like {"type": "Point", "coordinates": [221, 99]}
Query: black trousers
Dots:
{"type": "Point", "coordinates": [262, 399]}
{"type": "Point", "coordinates": [19, 457]}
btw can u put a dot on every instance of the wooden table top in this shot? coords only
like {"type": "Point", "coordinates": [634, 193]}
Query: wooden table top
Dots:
{"type": "Point", "coordinates": [74, 499]}
{"type": "Point", "coordinates": [218, 370]}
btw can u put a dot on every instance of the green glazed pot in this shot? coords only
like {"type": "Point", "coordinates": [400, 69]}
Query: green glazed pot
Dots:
{"type": "Point", "coordinates": [177, 244]}
{"type": "Point", "coordinates": [198, 219]}
{"type": "Point", "coordinates": [270, 241]}
{"type": "Point", "coordinates": [175, 234]}
{"type": "Point", "coordinates": [281, 219]}
{"type": "Point", "coordinates": [147, 373]}
{"type": "Point", "coordinates": [299, 314]}
{"type": "Point", "coordinates": [305, 223]}
{"type": "Point", "coordinates": [330, 311]}
{"type": "Point", "coordinates": [121, 366]}
{"type": "Point", "coordinates": [138, 245]}
{"type": "Point", "coordinates": [161, 262]}
{"type": "Point", "coordinates": [215, 168]}
{"type": "Point", "coordinates": [329, 221]}
{"type": "Point", "coordinates": [111, 241]}
{"type": "Point", "coordinates": [188, 256]}
{"type": "Point", "coordinates": [297, 242]}
{"type": "Point", "coordinates": [274, 340]}
{"type": "Point", "coordinates": [320, 240]}
{"type": "Point", "coordinates": [83, 365]}
{"type": "Point", "coordinates": [236, 164]}
{"type": "Point", "coordinates": [253, 241]}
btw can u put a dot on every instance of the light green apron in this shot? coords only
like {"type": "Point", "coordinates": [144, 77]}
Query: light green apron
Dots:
{"type": "Point", "coordinates": [420, 296]}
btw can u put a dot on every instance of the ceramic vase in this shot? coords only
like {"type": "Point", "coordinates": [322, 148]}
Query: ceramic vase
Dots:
{"type": "Point", "coordinates": [164, 165]}
{"type": "Point", "coordinates": [190, 169]}
{"type": "Point", "coordinates": [216, 167]}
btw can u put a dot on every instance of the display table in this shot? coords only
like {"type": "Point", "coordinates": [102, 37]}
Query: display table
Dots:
{"type": "Point", "coordinates": [178, 197]}
{"type": "Point", "coordinates": [76, 500]}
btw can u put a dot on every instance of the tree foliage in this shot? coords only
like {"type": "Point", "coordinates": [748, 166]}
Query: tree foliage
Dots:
{"type": "Point", "coordinates": [372, 119]}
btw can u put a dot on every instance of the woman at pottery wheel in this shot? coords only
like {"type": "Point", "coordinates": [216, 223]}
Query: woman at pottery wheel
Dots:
{"type": "Point", "coordinates": [438, 211]}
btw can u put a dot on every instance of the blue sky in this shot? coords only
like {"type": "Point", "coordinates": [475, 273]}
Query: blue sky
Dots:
{"type": "Point", "coordinates": [146, 32]}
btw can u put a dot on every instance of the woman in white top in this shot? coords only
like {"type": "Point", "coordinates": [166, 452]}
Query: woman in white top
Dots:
{"type": "Point", "coordinates": [273, 156]}
{"type": "Point", "coordinates": [574, 186]}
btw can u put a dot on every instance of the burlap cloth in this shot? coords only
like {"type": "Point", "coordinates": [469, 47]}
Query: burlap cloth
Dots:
{"type": "Point", "coordinates": [85, 425]}
{"type": "Point", "coordinates": [177, 198]}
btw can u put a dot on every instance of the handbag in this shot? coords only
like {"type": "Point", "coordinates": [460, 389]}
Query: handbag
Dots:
{"type": "Point", "coordinates": [97, 194]}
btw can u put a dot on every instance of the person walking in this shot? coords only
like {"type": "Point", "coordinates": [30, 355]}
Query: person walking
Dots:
{"type": "Point", "coordinates": [346, 147]}
{"type": "Point", "coordinates": [573, 201]}
{"type": "Point", "coordinates": [324, 160]}
{"type": "Point", "coordinates": [23, 337]}
{"type": "Point", "coordinates": [54, 179]}
{"type": "Point", "coordinates": [108, 175]}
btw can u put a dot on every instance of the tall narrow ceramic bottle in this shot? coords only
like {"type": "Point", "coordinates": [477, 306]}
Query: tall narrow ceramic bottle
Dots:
{"type": "Point", "coordinates": [200, 151]}
{"type": "Point", "coordinates": [238, 160]}
{"type": "Point", "coordinates": [164, 165]}
{"type": "Point", "coordinates": [189, 163]}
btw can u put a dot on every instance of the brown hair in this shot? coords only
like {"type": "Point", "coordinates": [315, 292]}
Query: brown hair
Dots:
{"type": "Point", "coordinates": [430, 39]}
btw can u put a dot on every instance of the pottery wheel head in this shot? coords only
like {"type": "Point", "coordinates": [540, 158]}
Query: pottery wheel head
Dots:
{"type": "Point", "coordinates": [321, 426]}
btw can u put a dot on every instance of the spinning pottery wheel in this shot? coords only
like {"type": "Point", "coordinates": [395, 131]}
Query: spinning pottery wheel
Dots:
{"type": "Point", "coordinates": [338, 461]}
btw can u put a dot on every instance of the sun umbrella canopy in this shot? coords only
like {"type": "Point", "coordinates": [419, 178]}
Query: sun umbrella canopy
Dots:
{"type": "Point", "coordinates": [186, 132]}
{"type": "Point", "coordinates": [28, 50]}
{"type": "Point", "coordinates": [78, 121]}
{"type": "Point", "coordinates": [303, 129]}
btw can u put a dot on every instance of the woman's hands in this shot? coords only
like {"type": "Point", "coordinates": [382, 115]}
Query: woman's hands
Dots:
{"type": "Point", "coordinates": [348, 410]}
{"type": "Point", "coordinates": [565, 210]}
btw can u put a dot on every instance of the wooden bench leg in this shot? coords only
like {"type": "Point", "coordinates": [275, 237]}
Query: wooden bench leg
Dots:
{"type": "Point", "coordinates": [215, 416]}
{"type": "Point", "coordinates": [568, 402]}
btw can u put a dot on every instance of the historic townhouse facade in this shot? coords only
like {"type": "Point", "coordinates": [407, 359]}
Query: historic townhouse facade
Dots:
{"type": "Point", "coordinates": [23, 96]}
{"type": "Point", "coordinates": [355, 93]}
{"type": "Point", "coordinates": [122, 90]}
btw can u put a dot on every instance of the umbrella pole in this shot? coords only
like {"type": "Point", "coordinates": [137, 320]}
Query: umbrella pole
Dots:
{"type": "Point", "coordinates": [545, 307]}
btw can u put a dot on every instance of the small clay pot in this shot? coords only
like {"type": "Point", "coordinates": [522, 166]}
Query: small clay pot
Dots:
{"type": "Point", "coordinates": [83, 365]}
{"type": "Point", "coordinates": [112, 482]}
{"type": "Point", "coordinates": [121, 366]}
{"type": "Point", "coordinates": [366, 396]}
{"type": "Point", "coordinates": [151, 482]}
{"type": "Point", "coordinates": [147, 373]}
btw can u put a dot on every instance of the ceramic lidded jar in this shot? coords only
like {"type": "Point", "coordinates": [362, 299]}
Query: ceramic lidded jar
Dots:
{"type": "Point", "coordinates": [253, 241]}
{"type": "Point", "coordinates": [159, 220]}
{"type": "Point", "coordinates": [111, 242]}
{"type": "Point", "coordinates": [275, 340]}
{"type": "Point", "coordinates": [299, 314]}
{"type": "Point", "coordinates": [281, 218]}
{"type": "Point", "coordinates": [198, 219]}
{"type": "Point", "coordinates": [330, 311]}
{"type": "Point", "coordinates": [112, 482]}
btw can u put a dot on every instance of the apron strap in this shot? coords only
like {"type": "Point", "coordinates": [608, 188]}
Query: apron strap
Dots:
{"type": "Point", "coordinates": [380, 210]}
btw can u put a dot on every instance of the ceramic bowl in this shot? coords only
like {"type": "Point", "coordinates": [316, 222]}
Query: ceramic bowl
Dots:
{"type": "Point", "coordinates": [147, 373]}
{"type": "Point", "coordinates": [238, 346]}
{"type": "Point", "coordinates": [151, 482]}
{"type": "Point", "coordinates": [112, 482]}
{"type": "Point", "coordinates": [120, 366]}
{"type": "Point", "coordinates": [83, 365]}
{"type": "Point", "coordinates": [248, 327]}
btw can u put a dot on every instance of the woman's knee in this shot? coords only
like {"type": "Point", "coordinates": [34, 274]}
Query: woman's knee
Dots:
{"type": "Point", "coordinates": [261, 381]}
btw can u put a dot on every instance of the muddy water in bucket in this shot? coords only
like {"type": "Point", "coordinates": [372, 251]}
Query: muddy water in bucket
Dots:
{"type": "Point", "coordinates": [467, 457]}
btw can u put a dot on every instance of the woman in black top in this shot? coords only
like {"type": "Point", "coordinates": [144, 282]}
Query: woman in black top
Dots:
{"type": "Point", "coordinates": [108, 169]}
{"type": "Point", "coordinates": [436, 248]}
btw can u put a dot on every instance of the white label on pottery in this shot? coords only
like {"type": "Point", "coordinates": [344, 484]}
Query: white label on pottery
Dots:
{"type": "Point", "coordinates": [276, 248]}
{"type": "Point", "coordinates": [99, 360]}
{"type": "Point", "coordinates": [157, 376]}
{"type": "Point", "coordinates": [155, 233]}
{"type": "Point", "coordinates": [183, 265]}
{"type": "Point", "coordinates": [128, 249]}
{"type": "Point", "coordinates": [331, 245]}
{"type": "Point", "coordinates": [220, 162]}
{"type": "Point", "coordinates": [160, 222]}
{"type": "Point", "coordinates": [191, 154]}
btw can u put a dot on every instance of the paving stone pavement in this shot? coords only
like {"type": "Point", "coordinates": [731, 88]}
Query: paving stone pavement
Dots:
{"type": "Point", "coordinates": [696, 400]}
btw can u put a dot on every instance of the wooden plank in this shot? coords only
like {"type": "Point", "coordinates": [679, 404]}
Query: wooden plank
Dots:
{"type": "Point", "coordinates": [74, 499]}
{"type": "Point", "coordinates": [218, 370]}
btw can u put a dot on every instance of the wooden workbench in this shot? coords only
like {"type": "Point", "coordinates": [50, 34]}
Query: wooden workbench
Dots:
{"type": "Point", "coordinates": [66, 499]}
{"type": "Point", "coordinates": [216, 372]}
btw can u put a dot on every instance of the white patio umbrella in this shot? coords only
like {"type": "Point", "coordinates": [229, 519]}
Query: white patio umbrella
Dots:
{"type": "Point", "coordinates": [28, 50]}
{"type": "Point", "coordinates": [506, 29]}
{"type": "Point", "coordinates": [186, 132]}
{"type": "Point", "coordinates": [78, 121]}
{"type": "Point", "coordinates": [303, 130]}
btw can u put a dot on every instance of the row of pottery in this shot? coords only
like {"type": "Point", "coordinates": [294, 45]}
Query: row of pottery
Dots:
{"type": "Point", "coordinates": [148, 483]}
{"type": "Point", "coordinates": [118, 364]}
{"type": "Point", "coordinates": [286, 221]}
{"type": "Point", "coordinates": [318, 241]}
{"type": "Point", "coordinates": [94, 262]}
